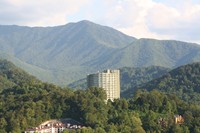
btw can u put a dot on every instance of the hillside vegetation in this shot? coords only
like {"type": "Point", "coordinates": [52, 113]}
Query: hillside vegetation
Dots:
{"type": "Point", "coordinates": [183, 81]}
{"type": "Point", "coordinates": [11, 76]}
{"type": "Point", "coordinates": [28, 102]}
{"type": "Point", "coordinates": [133, 77]}
{"type": "Point", "coordinates": [67, 53]}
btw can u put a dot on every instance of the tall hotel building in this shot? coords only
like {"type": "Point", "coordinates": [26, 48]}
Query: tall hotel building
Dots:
{"type": "Point", "coordinates": [109, 80]}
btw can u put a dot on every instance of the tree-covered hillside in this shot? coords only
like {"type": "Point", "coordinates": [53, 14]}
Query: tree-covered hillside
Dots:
{"type": "Point", "coordinates": [133, 77]}
{"type": "Point", "coordinates": [10, 75]}
{"type": "Point", "coordinates": [183, 81]}
{"type": "Point", "coordinates": [27, 106]}
{"type": "Point", "coordinates": [29, 102]}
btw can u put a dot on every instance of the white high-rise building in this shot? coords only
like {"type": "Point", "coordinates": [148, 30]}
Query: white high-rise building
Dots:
{"type": "Point", "coordinates": [109, 80]}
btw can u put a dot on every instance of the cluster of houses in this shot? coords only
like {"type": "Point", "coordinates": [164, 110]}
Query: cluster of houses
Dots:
{"type": "Point", "coordinates": [55, 126]}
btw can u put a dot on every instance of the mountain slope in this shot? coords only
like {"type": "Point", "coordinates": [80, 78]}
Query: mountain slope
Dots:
{"type": "Point", "coordinates": [132, 77]}
{"type": "Point", "coordinates": [66, 53]}
{"type": "Point", "coordinates": [63, 49]}
{"type": "Point", "coordinates": [183, 81]}
{"type": "Point", "coordinates": [148, 52]}
{"type": "Point", "coordinates": [10, 75]}
{"type": "Point", "coordinates": [56, 47]}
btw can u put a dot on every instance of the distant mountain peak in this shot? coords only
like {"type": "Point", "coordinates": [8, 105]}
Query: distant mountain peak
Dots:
{"type": "Point", "coordinates": [86, 21]}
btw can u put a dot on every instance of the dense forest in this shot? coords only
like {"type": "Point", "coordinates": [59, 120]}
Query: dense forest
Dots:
{"type": "Point", "coordinates": [29, 103]}
{"type": "Point", "coordinates": [10, 75]}
{"type": "Point", "coordinates": [183, 81]}
{"type": "Point", "coordinates": [131, 77]}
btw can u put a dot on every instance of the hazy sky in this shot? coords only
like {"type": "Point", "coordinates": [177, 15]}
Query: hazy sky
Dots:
{"type": "Point", "coordinates": [160, 19]}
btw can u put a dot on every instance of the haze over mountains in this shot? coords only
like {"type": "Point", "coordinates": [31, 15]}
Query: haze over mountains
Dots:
{"type": "Point", "coordinates": [66, 53]}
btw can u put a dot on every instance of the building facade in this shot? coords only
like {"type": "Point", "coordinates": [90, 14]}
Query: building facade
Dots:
{"type": "Point", "coordinates": [55, 126]}
{"type": "Point", "coordinates": [109, 80]}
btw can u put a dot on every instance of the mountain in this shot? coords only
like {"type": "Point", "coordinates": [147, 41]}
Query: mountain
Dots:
{"type": "Point", "coordinates": [63, 54]}
{"type": "Point", "coordinates": [61, 51]}
{"type": "Point", "coordinates": [183, 81]}
{"type": "Point", "coordinates": [130, 77]}
{"type": "Point", "coordinates": [151, 52]}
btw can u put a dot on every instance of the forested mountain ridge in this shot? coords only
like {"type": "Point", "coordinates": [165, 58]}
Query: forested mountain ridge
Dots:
{"type": "Point", "coordinates": [61, 50]}
{"type": "Point", "coordinates": [183, 81]}
{"type": "Point", "coordinates": [151, 52]}
{"type": "Point", "coordinates": [63, 54]}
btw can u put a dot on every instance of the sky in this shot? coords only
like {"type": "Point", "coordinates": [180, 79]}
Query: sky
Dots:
{"type": "Point", "coordinates": [158, 19]}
